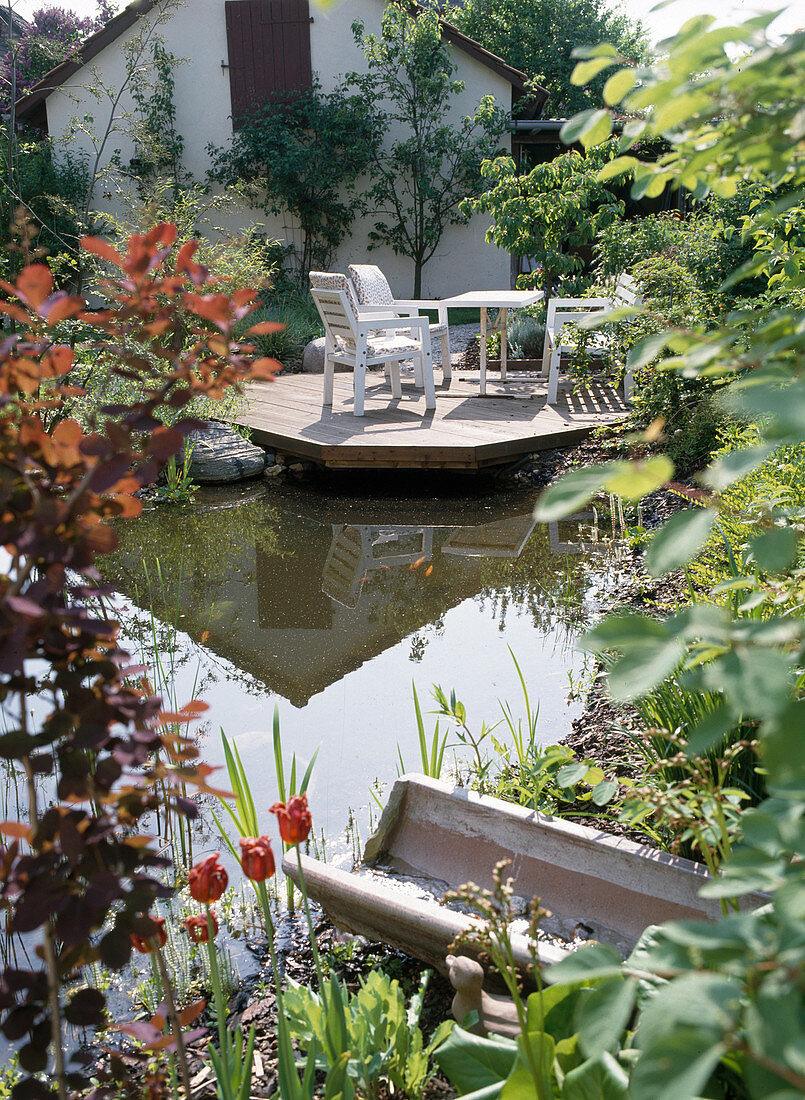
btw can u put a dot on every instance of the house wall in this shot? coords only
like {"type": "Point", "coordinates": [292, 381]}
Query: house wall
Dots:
{"type": "Point", "coordinates": [196, 32]}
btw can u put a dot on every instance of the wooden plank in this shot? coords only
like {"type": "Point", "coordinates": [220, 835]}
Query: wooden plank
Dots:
{"type": "Point", "coordinates": [465, 431]}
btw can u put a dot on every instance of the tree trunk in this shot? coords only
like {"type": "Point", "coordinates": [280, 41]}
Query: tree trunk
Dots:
{"type": "Point", "coordinates": [418, 278]}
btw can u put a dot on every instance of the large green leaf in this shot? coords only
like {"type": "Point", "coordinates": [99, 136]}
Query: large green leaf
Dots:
{"type": "Point", "coordinates": [571, 492]}
{"type": "Point", "coordinates": [637, 673]}
{"type": "Point", "coordinates": [676, 1067]}
{"type": "Point", "coordinates": [679, 540]}
{"type": "Point", "coordinates": [598, 1078]}
{"type": "Point", "coordinates": [775, 550]}
{"type": "Point", "coordinates": [735, 465]}
{"type": "Point", "coordinates": [634, 480]}
{"type": "Point", "coordinates": [471, 1062]}
{"type": "Point", "coordinates": [595, 960]}
{"type": "Point", "coordinates": [603, 1015]}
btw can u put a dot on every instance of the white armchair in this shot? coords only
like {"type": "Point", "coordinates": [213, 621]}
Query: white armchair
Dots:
{"type": "Point", "coordinates": [374, 292]}
{"type": "Point", "coordinates": [368, 340]}
{"type": "Point", "coordinates": [563, 311]}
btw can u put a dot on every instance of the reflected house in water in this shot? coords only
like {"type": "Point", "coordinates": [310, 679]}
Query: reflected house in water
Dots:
{"type": "Point", "coordinates": [299, 602]}
{"type": "Point", "coordinates": [324, 613]}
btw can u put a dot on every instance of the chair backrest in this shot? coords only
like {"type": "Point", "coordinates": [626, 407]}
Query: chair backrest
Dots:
{"type": "Point", "coordinates": [627, 292]}
{"type": "Point", "coordinates": [371, 285]}
{"type": "Point", "coordinates": [335, 300]}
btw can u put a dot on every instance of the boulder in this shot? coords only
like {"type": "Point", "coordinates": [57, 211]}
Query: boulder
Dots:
{"type": "Point", "coordinates": [313, 358]}
{"type": "Point", "coordinates": [219, 455]}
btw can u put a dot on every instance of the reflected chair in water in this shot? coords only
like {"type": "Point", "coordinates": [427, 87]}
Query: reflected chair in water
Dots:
{"type": "Point", "coordinates": [353, 557]}
{"type": "Point", "coordinates": [504, 538]}
{"type": "Point", "coordinates": [366, 340]}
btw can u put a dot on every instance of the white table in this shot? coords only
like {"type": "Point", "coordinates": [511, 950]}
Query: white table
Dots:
{"type": "Point", "coordinates": [501, 300]}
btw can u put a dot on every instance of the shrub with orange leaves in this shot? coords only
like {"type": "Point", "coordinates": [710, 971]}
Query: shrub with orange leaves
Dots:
{"type": "Point", "coordinates": [77, 873]}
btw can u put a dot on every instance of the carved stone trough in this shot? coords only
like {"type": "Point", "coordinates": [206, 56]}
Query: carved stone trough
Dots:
{"type": "Point", "coordinates": [433, 837]}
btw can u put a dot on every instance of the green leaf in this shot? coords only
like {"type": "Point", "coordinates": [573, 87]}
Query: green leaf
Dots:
{"type": "Point", "coordinates": [735, 465]}
{"type": "Point", "coordinates": [598, 129]}
{"type": "Point", "coordinates": [623, 632]}
{"type": "Point", "coordinates": [756, 682]}
{"type": "Point", "coordinates": [647, 349]}
{"type": "Point", "coordinates": [618, 85]}
{"type": "Point", "coordinates": [710, 731]}
{"type": "Point", "coordinates": [634, 480]}
{"type": "Point", "coordinates": [586, 70]}
{"type": "Point", "coordinates": [604, 792]}
{"type": "Point", "coordinates": [676, 1067]}
{"type": "Point", "coordinates": [520, 1083]}
{"type": "Point", "coordinates": [679, 540]}
{"type": "Point", "coordinates": [571, 492]}
{"type": "Point", "coordinates": [775, 550]}
{"type": "Point", "coordinates": [708, 1002]}
{"type": "Point", "coordinates": [604, 1014]}
{"type": "Point", "coordinates": [571, 774]}
{"type": "Point", "coordinates": [471, 1062]}
{"type": "Point", "coordinates": [635, 674]}
{"type": "Point", "coordinates": [599, 1078]}
{"type": "Point", "coordinates": [617, 167]}
{"type": "Point", "coordinates": [595, 960]}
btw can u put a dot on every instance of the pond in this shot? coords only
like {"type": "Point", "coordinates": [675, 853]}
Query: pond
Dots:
{"type": "Point", "coordinates": [330, 606]}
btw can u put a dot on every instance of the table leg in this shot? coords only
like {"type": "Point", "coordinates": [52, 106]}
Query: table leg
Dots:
{"type": "Point", "coordinates": [504, 349]}
{"type": "Point", "coordinates": [482, 351]}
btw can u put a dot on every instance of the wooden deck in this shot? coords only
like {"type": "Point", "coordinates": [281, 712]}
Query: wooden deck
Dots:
{"type": "Point", "coordinates": [465, 431]}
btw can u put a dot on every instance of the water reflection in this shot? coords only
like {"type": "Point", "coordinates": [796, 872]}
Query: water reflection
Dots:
{"type": "Point", "coordinates": [298, 603]}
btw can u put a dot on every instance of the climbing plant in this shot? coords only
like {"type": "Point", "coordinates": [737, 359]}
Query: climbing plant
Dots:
{"type": "Point", "coordinates": [304, 156]}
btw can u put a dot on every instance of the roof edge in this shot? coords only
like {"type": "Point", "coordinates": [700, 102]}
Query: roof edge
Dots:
{"type": "Point", "coordinates": [28, 104]}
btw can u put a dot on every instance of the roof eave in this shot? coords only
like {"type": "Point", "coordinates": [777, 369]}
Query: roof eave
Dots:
{"type": "Point", "coordinates": [91, 47]}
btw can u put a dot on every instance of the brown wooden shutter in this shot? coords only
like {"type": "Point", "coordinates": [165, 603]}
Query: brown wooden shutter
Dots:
{"type": "Point", "coordinates": [269, 51]}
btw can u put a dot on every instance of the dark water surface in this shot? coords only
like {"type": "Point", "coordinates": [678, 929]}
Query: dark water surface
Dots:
{"type": "Point", "coordinates": [330, 605]}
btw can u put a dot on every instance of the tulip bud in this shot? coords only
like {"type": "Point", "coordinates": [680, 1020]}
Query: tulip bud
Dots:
{"type": "Point", "coordinates": [294, 819]}
{"type": "Point", "coordinates": [145, 944]}
{"type": "Point", "coordinates": [207, 880]}
{"type": "Point", "coordinates": [197, 928]}
{"type": "Point", "coordinates": [256, 858]}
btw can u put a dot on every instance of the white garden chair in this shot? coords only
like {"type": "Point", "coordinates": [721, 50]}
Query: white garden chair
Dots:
{"type": "Point", "coordinates": [563, 311]}
{"type": "Point", "coordinates": [373, 290]}
{"type": "Point", "coordinates": [359, 341]}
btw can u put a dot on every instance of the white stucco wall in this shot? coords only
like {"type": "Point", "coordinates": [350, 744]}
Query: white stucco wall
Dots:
{"type": "Point", "coordinates": [196, 32]}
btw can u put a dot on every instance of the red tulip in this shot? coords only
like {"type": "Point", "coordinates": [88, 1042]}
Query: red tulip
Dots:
{"type": "Point", "coordinates": [197, 928]}
{"type": "Point", "coordinates": [145, 944]}
{"type": "Point", "coordinates": [208, 880]}
{"type": "Point", "coordinates": [294, 819]}
{"type": "Point", "coordinates": [256, 858]}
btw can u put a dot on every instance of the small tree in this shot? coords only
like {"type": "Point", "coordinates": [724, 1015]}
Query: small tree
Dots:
{"type": "Point", "coordinates": [421, 175]}
{"type": "Point", "coordinates": [303, 156]}
{"type": "Point", "coordinates": [549, 213]}
{"type": "Point", "coordinates": [538, 37]}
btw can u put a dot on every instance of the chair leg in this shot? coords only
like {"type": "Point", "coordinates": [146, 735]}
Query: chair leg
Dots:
{"type": "Point", "coordinates": [553, 377]}
{"type": "Point", "coordinates": [447, 368]}
{"type": "Point", "coordinates": [359, 383]}
{"type": "Point", "coordinates": [329, 371]}
{"type": "Point", "coordinates": [546, 357]}
{"type": "Point", "coordinates": [427, 378]}
{"type": "Point", "coordinates": [418, 382]}
{"type": "Point", "coordinates": [393, 371]}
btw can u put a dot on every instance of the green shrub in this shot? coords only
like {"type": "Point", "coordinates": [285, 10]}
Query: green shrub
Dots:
{"type": "Point", "coordinates": [297, 311]}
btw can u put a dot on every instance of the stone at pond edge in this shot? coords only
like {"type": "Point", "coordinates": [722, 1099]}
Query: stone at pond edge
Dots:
{"type": "Point", "coordinates": [313, 358]}
{"type": "Point", "coordinates": [219, 455]}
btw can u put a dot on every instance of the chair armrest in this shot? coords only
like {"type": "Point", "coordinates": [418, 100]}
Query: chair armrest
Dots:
{"type": "Point", "coordinates": [416, 303]}
{"type": "Point", "coordinates": [365, 324]}
{"type": "Point", "coordinates": [590, 303]}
